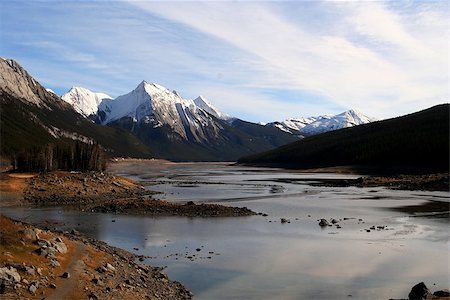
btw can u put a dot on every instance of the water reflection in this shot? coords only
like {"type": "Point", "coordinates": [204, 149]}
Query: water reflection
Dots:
{"type": "Point", "coordinates": [260, 258]}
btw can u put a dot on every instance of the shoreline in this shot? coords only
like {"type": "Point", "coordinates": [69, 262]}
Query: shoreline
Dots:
{"type": "Point", "coordinates": [391, 178]}
{"type": "Point", "coordinates": [37, 262]}
{"type": "Point", "coordinates": [122, 190]}
{"type": "Point", "coordinates": [101, 192]}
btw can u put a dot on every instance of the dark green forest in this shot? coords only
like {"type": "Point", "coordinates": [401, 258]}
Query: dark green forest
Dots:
{"type": "Point", "coordinates": [417, 142]}
{"type": "Point", "coordinates": [24, 139]}
{"type": "Point", "coordinates": [76, 156]}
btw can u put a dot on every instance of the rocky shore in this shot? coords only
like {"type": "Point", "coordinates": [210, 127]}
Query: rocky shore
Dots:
{"type": "Point", "coordinates": [431, 182]}
{"type": "Point", "coordinates": [100, 192]}
{"type": "Point", "coordinates": [41, 264]}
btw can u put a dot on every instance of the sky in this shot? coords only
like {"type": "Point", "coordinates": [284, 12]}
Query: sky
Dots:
{"type": "Point", "coordinates": [260, 61]}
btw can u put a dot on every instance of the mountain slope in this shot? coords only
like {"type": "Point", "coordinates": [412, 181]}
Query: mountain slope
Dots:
{"type": "Point", "coordinates": [315, 125]}
{"type": "Point", "coordinates": [419, 141]}
{"type": "Point", "coordinates": [207, 106]}
{"type": "Point", "coordinates": [181, 129]}
{"type": "Point", "coordinates": [31, 117]}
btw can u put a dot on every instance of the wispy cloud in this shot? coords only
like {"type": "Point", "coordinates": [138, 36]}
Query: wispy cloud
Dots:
{"type": "Point", "coordinates": [383, 58]}
{"type": "Point", "coordinates": [378, 62]}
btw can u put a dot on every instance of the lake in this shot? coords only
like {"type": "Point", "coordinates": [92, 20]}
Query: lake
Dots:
{"type": "Point", "coordinates": [259, 257]}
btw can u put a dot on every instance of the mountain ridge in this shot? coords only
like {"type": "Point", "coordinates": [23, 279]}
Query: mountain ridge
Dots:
{"type": "Point", "coordinates": [417, 142]}
{"type": "Point", "coordinates": [32, 117]}
{"type": "Point", "coordinates": [306, 126]}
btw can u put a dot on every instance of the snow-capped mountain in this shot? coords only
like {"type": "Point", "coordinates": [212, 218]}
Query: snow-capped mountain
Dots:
{"type": "Point", "coordinates": [153, 104]}
{"type": "Point", "coordinates": [320, 124]}
{"type": "Point", "coordinates": [207, 106]}
{"type": "Point", "coordinates": [84, 101]}
{"type": "Point", "coordinates": [182, 129]}
{"type": "Point", "coordinates": [33, 116]}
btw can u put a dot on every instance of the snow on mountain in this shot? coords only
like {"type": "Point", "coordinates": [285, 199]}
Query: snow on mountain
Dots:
{"type": "Point", "coordinates": [156, 105]}
{"type": "Point", "coordinates": [50, 91]}
{"type": "Point", "coordinates": [207, 106]}
{"type": "Point", "coordinates": [83, 100]}
{"type": "Point", "coordinates": [320, 124]}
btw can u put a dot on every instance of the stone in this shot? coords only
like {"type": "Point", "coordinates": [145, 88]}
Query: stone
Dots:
{"type": "Point", "coordinates": [29, 270]}
{"type": "Point", "coordinates": [65, 275]}
{"type": "Point", "coordinates": [284, 220]}
{"type": "Point", "coordinates": [51, 256]}
{"type": "Point", "coordinates": [39, 271]}
{"type": "Point", "coordinates": [52, 285]}
{"type": "Point", "coordinates": [30, 234]}
{"type": "Point", "coordinates": [60, 247]}
{"type": "Point", "coordinates": [419, 292]}
{"type": "Point", "coordinates": [24, 281]}
{"type": "Point", "coordinates": [59, 240]}
{"type": "Point", "coordinates": [323, 223]}
{"type": "Point", "coordinates": [110, 267]}
{"type": "Point", "coordinates": [32, 288]}
{"type": "Point", "coordinates": [54, 263]}
{"type": "Point", "coordinates": [9, 274]}
{"type": "Point", "coordinates": [443, 293]}
{"type": "Point", "coordinates": [43, 243]}
{"type": "Point", "coordinates": [334, 221]}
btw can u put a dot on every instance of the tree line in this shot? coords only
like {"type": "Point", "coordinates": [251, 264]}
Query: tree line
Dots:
{"type": "Point", "coordinates": [49, 157]}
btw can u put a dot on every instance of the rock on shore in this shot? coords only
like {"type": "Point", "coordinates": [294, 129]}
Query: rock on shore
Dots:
{"type": "Point", "coordinates": [99, 192]}
{"type": "Point", "coordinates": [86, 269]}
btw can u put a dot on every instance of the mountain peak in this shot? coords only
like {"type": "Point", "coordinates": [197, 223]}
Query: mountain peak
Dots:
{"type": "Point", "coordinates": [323, 123]}
{"type": "Point", "coordinates": [16, 81]}
{"type": "Point", "coordinates": [83, 100]}
{"type": "Point", "coordinates": [207, 106]}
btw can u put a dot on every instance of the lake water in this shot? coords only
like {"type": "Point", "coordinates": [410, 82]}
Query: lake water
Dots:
{"type": "Point", "coordinates": [259, 257]}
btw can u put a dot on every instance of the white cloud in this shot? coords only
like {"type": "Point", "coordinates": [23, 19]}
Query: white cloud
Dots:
{"type": "Point", "coordinates": [380, 64]}
{"type": "Point", "coordinates": [382, 58]}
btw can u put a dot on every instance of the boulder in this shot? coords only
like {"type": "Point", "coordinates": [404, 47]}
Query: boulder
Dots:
{"type": "Point", "coordinates": [443, 293]}
{"type": "Point", "coordinates": [30, 234]}
{"type": "Point", "coordinates": [419, 292]}
{"type": "Point", "coordinates": [323, 223]}
{"type": "Point", "coordinates": [60, 247]}
{"type": "Point", "coordinates": [54, 263]}
{"type": "Point", "coordinates": [10, 274]}
{"type": "Point", "coordinates": [29, 270]}
{"type": "Point", "coordinates": [110, 267]}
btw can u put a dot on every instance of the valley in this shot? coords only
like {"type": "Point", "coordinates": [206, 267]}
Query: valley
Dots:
{"type": "Point", "coordinates": [260, 150]}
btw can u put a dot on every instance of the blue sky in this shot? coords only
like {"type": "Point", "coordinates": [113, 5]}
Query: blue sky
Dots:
{"type": "Point", "coordinates": [260, 61]}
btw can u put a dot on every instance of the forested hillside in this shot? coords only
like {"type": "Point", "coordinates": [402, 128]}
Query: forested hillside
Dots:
{"type": "Point", "coordinates": [418, 142]}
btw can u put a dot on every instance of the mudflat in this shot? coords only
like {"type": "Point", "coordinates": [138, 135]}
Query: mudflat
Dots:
{"type": "Point", "coordinates": [101, 192]}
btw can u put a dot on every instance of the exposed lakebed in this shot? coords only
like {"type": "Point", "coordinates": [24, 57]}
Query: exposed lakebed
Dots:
{"type": "Point", "coordinates": [258, 257]}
